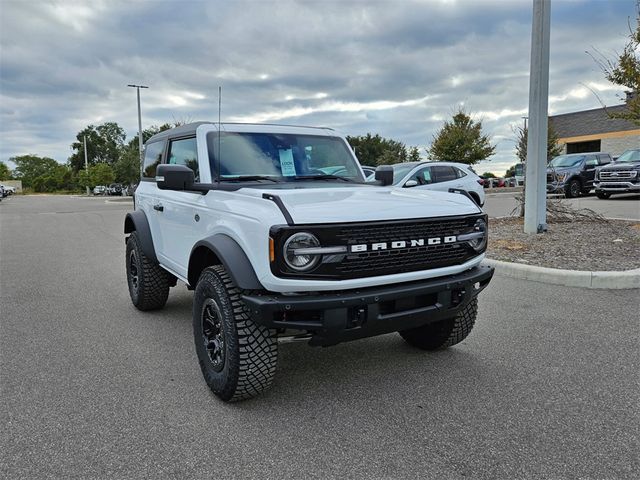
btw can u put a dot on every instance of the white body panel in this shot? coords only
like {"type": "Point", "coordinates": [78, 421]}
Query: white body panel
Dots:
{"type": "Point", "coordinates": [247, 218]}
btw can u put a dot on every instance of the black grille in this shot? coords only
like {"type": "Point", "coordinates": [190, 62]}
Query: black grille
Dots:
{"type": "Point", "coordinates": [384, 261]}
{"type": "Point", "coordinates": [550, 178]}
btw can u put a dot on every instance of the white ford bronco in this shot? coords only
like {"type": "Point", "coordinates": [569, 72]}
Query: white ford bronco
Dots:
{"type": "Point", "coordinates": [277, 232]}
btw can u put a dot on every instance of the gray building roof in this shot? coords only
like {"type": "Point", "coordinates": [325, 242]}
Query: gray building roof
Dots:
{"type": "Point", "coordinates": [590, 122]}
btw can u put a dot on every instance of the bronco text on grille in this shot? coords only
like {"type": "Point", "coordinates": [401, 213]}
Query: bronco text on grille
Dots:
{"type": "Point", "coordinates": [382, 248]}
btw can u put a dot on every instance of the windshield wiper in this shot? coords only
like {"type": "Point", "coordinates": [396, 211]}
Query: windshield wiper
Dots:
{"type": "Point", "coordinates": [249, 178]}
{"type": "Point", "coordinates": [323, 177]}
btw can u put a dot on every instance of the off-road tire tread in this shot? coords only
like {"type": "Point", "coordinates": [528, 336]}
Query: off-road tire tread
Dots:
{"type": "Point", "coordinates": [446, 333]}
{"type": "Point", "coordinates": [254, 357]}
{"type": "Point", "coordinates": [153, 280]}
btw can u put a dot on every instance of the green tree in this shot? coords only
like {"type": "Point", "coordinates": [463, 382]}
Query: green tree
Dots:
{"type": "Point", "coordinates": [101, 174]}
{"type": "Point", "coordinates": [104, 145]}
{"type": "Point", "coordinates": [554, 147]}
{"type": "Point", "coordinates": [511, 171]}
{"type": "Point", "coordinates": [127, 168]}
{"type": "Point", "coordinates": [414, 154]}
{"type": "Point", "coordinates": [30, 167]}
{"type": "Point", "coordinates": [488, 175]}
{"type": "Point", "coordinates": [59, 177]}
{"type": "Point", "coordinates": [625, 72]}
{"type": "Point", "coordinates": [461, 140]}
{"type": "Point", "coordinates": [375, 150]}
{"type": "Point", "coordinates": [5, 171]}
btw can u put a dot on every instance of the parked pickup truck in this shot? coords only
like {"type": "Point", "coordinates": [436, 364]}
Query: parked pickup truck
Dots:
{"type": "Point", "coordinates": [622, 176]}
{"type": "Point", "coordinates": [279, 235]}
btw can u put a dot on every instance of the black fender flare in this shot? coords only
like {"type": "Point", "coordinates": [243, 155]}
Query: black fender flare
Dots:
{"type": "Point", "coordinates": [221, 249]}
{"type": "Point", "coordinates": [137, 221]}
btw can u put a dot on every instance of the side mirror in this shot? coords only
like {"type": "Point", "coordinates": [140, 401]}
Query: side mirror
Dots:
{"type": "Point", "coordinates": [411, 183]}
{"type": "Point", "coordinates": [174, 177]}
{"type": "Point", "coordinates": [384, 174]}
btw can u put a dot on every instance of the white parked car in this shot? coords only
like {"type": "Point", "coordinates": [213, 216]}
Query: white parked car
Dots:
{"type": "Point", "coordinates": [439, 176]}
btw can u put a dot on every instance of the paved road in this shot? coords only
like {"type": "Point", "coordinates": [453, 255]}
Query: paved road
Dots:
{"type": "Point", "coordinates": [619, 206]}
{"type": "Point", "coordinates": [546, 386]}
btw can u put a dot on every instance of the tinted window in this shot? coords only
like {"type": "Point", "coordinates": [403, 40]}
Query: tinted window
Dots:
{"type": "Point", "coordinates": [152, 158]}
{"type": "Point", "coordinates": [422, 176]}
{"type": "Point", "coordinates": [443, 173]}
{"type": "Point", "coordinates": [591, 161]}
{"type": "Point", "coordinates": [460, 173]}
{"type": "Point", "coordinates": [604, 159]}
{"type": "Point", "coordinates": [185, 152]}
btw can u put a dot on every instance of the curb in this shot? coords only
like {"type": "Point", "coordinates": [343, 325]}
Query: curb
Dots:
{"type": "Point", "coordinates": [625, 279]}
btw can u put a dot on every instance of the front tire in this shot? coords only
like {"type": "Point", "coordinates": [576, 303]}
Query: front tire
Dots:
{"type": "Point", "coordinates": [445, 333]}
{"type": "Point", "coordinates": [148, 282]}
{"type": "Point", "coordinates": [237, 357]}
{"type": "Point", "coordinates": [573, 189]}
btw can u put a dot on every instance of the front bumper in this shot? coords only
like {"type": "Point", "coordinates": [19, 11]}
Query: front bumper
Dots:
{"type": "Point", "coordinates": [339, 316]}
{"type": "Point", "coordinates": [616, 187]}
{"type": "Point", "coordinates": [556, 187]}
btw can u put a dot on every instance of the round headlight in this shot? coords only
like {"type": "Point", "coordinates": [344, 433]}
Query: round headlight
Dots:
{"type": "Point", "coordinates": [300, 262]}
{"type": "Point", "coordinates": [479, 243]}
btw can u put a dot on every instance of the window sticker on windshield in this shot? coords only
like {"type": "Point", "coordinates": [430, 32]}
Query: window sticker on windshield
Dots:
{"type": "Point", "coordinates": [287, 167]}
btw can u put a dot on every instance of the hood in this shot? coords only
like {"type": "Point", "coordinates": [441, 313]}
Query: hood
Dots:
{"type": "Point", "coordinates": [561, 169]}
{"type": "Point", "coordinates": [621, 166]}
{"type": "Point", "coordinates": [366, 203]}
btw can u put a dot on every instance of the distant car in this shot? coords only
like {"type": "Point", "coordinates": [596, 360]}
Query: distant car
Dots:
{"type": "Point", "coordinates": [99, 190]}
{"type": "Point", "coordinates": [439, 176]}
{"type": "Point", "coordinates": [573, 174]}
{"type": "Point", "coordinates": [622, 176]}
{"type": "Point", "coordinates": [114, 189]}
{"type": "Point", "coordinates": [8, 190]}
{"type": "Point", "coordinates": [2, 194]}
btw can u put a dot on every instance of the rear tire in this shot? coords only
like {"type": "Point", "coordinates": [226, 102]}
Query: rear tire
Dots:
{"type": "Point", "coordinates": [603, 195]}
{"type": "Point", "coordinates": [445, 333]}
{"type": "Point", "coordinates": [237, 357]}
{"type": "Point", "coordinates": [148, 282]}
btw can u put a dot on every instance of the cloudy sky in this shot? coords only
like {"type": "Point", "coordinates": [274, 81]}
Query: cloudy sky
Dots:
{"type": "Point", "coordinates": [394, 68]}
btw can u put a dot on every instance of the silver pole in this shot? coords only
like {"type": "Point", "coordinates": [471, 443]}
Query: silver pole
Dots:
{"type": "Point", "coordinates": [86, 162]}
{"type": "Point", "coordinates": [140, 140]}
{"type": "Point", "coordinates": [535, 202]}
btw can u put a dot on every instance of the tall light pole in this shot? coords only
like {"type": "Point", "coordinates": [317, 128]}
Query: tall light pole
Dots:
{"type": "Point", "coordinates": [140, 140]}
{"type": "Point", "coordinates": [86, 162]}
{"type": "Point", "coordinates": [535, 201]}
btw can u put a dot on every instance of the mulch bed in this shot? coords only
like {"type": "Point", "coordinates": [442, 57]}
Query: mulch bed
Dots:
{"type": "Point", "coordinates": [578, 245]}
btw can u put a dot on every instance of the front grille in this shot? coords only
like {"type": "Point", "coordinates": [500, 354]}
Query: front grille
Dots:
{"type": "Point", "coordinates": [550, 178]}
{"type": "Point", "coordinates": [617, 175]}
{"type": "Point", "coordinates": [385, 262]}
{"type": "Point", "coordinates": [375, 260]}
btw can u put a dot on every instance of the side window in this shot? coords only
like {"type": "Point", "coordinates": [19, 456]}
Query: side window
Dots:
{"type": "Point", "coordinates": [443, 173]}
{"type": "Point", "coordinates": [459, 172]}
{"type": "Point", "coordinates": [422, 176]}
{"type": "Point", "coordinates": [185, 152]}
{"type": "Point", "coordinates": [591, 161]}
{"type": "Point", "coordinates": [152, 158]}
{"type": "Point", "coordinates": [604, 159]}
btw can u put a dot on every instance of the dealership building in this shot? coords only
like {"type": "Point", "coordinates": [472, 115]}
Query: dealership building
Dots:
{"type": "Point", "coordinates": [594, 131]}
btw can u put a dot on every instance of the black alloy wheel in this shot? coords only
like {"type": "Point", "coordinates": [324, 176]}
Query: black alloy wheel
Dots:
{"type": "Point", "coordinates": [213, 333]}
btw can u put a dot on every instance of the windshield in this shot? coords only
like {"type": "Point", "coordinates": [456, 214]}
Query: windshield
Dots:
{"type": "Point", "coordinates": [566, 161]}
{"type": "Point", "coordinates": [280, 157]}
{"type": "Point", "coordinates": [629, 156]}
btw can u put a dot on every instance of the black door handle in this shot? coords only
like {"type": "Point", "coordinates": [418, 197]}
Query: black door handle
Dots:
{"type": "Point", "coordinates": [159, 208]}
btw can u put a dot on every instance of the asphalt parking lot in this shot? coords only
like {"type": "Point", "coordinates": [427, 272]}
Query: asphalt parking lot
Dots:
{"type": "Point", "coordinates": [626, 206]}
{"type": "Point", "coordinates": [546, 386]}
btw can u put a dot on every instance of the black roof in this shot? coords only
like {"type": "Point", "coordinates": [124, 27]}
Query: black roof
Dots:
{"type": "Point", "coordinates": [190, 128]}
{"type": "Point", "coordinates": [590, 122]}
